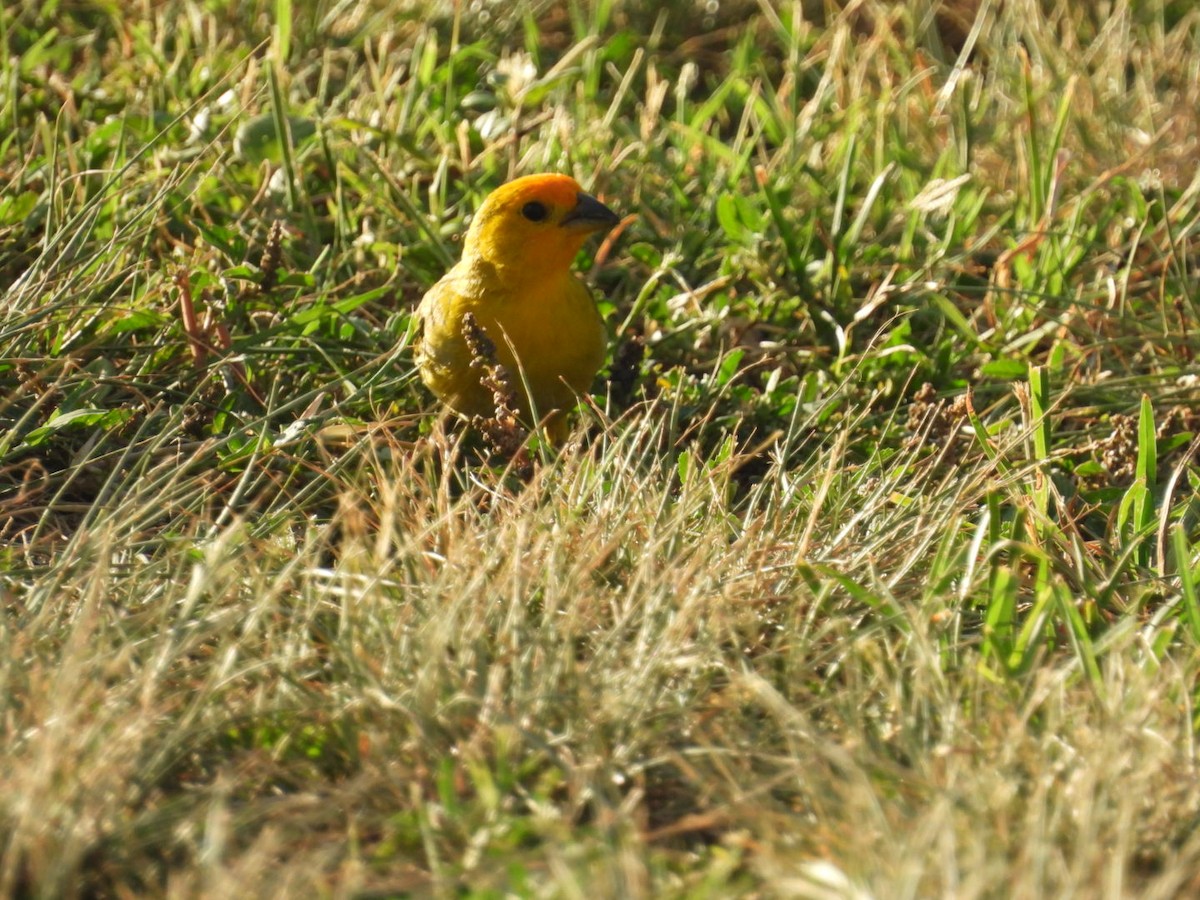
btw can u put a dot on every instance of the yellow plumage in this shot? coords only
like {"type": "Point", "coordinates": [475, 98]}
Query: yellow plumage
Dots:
{"type": "Point", "coordinates": [515, 277]}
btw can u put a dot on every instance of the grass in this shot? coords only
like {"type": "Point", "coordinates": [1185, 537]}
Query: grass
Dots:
{"type": "Point", "coordinates": [874, 576]}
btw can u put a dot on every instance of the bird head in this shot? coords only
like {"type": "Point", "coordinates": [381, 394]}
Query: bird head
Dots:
{"type": "Point", "coordinates": [535, 225]}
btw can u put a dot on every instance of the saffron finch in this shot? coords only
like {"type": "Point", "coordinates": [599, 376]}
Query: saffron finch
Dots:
{"type": "Point", "coordinates": [515, 278]}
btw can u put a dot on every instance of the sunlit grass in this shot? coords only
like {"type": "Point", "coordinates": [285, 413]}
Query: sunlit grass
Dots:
{"type": "Point", "coordinates": [874, 575]}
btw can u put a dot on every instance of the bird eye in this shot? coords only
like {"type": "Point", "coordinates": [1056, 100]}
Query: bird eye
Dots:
{"type": "Point", "coordinates": [535, 211]}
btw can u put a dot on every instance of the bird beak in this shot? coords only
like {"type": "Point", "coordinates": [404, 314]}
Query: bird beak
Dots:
{"type": "Point", "coordinates": [589, 214]}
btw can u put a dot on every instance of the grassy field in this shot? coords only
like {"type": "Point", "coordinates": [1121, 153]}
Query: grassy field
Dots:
{"type": "Point", "coordinates": [870, 571]}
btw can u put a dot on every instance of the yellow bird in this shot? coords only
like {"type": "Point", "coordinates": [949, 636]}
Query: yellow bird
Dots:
{"type": "Point", "coordinates": [515, 277]}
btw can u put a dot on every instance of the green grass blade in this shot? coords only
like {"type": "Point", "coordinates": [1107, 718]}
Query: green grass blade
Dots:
{"type": "Point", "coordinates": [1187, 581]}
